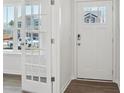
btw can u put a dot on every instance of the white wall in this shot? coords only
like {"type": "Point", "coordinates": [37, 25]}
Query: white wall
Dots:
{"type": "Point", "coordinates": [65, 44]}
{"type": "Point", "coordinates": [12, 63]}
{"type": "Point", "coordinates": [116, 78]}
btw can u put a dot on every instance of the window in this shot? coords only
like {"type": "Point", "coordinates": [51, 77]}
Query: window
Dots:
{"type": "Point", "coordinates": [19, 11]}
{"type": "Point", "coordinates": [35, 41]}
{"type": "Point", "coordinates": [36, 23]}
{"type": "Point", "coordinates": [10, 27]}
{"type": "Point", "coordinates": [19, 24]}
{"type": "Point", "coordinates": [28, 9]}
{"type": "Point", "coordinates": [13, 22]}
{"type": "Point", "coordinates": [8, 17]}
{"type": "Point", "coordinates": [35, 9]}
{"type": "Point", "coordinates": [19, 28]}
{"type": "Point", "coordinates": [19, 39]}
{"type": "Point", "coordinates": [94, 15]}
{"type": "Point", "coordinates": [32, 17]}
{"type": "Point", "coordinates": [32, 41]}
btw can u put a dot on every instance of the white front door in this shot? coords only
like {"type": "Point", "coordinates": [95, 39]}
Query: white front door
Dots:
{"type": "Point", "coordinates": [36, 58]}
{"type": "Point", "coordinates": [94, 39]}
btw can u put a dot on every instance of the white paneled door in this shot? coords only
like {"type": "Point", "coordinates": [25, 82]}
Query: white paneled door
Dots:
{"type": "Point", "coordinates": [94, 39]}
{"type": "Point", "coordinates": [36, 57]}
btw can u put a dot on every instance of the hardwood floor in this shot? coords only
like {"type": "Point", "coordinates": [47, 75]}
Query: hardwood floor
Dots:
{"type": "Point", "coordinates": [78, 86]}
{"type": "Point", "coordinates": [12, 84]}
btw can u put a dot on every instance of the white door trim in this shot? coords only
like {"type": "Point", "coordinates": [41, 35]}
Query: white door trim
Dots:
{"type": "Point", "coordinates": [56, 16]}
{"type": "Point", "coordinates": [114, 38]}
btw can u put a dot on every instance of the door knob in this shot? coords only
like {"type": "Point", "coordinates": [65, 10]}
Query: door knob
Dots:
{"type": "Point", "coordinates": [78, 38]}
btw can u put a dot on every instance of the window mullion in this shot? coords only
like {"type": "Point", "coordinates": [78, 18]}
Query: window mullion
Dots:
{"type": "Point", "coordinates": [15, 45]}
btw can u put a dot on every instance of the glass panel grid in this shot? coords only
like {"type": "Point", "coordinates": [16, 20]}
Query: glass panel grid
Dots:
{"type": "Point", "coordinates": [8, 27]}
{"type": "Point", "coordinates": [94, 15]}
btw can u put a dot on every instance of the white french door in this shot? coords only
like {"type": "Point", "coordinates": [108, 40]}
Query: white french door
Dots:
{"type": "Point", "coordinates": [94, 39]}
{"type": "Point", "coordinates": [36, 57]}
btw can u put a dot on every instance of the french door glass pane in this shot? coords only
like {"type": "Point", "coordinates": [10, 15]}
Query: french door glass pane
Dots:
{"type": "Point", "coordinates": [19, 39]}
{"type": "Point", "coordinates": [32, 17]}
{"type": "Point", "coordinates": [8, 16]}
{"type": "Point", "coordinates": [35, 9]}
{"type": "Point", "coordinates": [35, 22]}
{"type": "Point", "coordinates": [19, 27]}
{"type": "Point", "coordinates": [32, 41]}
{"type": "Point", "coordinates": [28, 9]}
{"type": "Point", "coordinates": [4, 15]}
{"type": "Point", "coordinates": [19, 11]}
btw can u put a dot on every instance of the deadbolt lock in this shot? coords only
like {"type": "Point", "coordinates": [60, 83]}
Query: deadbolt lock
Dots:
{"type": "Point", "coordinates": [78, 37]}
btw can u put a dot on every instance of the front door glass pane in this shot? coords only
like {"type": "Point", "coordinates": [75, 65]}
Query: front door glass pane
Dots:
{"type": "Point", "coordinates": [94, 15]}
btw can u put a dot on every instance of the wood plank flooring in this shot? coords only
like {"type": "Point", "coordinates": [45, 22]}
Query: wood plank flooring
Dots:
{"type": "Point", "coordinates": [12, 84]}
{"type": "Point", "coordinates": [79, 86]}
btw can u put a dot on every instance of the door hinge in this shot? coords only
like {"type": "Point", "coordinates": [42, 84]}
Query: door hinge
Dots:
{"type": "Point", "coordinates": [52, 79]}
{"type": "Point", "coordinates": [52, 2]}
{"type": "Point", "coordinates": [52, 41]}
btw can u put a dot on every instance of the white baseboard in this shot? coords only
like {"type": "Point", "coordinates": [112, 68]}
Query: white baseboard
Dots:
{"type": "Point", "coordinates": [66, 85]}
{"type": "Point", "coordinates": [11, 72]}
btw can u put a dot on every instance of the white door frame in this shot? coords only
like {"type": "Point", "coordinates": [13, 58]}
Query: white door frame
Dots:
{"type": "Point", "coordinates": [115, 47]}
{"type": "Point", "coordinates": [56, 18]}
